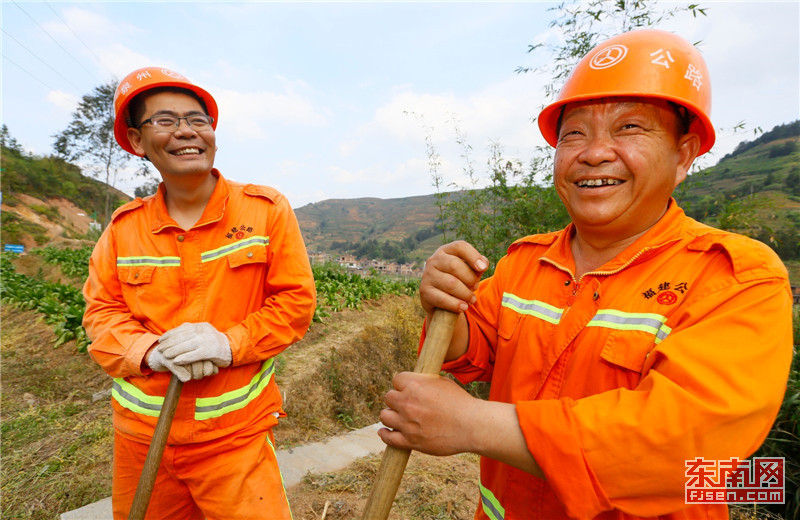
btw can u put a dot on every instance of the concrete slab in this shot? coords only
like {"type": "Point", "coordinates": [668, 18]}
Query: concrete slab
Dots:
{"type": "Point", "coordinates": [100, 510]}
{"type": "Point", "coordinates": [320, 457]}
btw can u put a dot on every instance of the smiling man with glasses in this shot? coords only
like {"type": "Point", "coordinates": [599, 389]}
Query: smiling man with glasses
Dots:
{"type": "Point", "coordinates": [208, 280]}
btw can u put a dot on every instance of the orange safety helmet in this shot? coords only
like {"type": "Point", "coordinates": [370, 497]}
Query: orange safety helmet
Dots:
{"type": "Point", "coordinates": [145, 79]}
{"type": "Point", "coordinates": [644, 63]}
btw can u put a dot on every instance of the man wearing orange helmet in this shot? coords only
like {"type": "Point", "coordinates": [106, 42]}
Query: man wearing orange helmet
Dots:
{"type": "Point", "coordinates": [208, 280]}
{"type": "Point", "coordinates": [622, 346]}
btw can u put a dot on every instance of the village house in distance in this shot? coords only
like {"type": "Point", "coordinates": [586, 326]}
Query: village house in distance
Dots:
{"type": "Point", "coordinates": [363, 266]}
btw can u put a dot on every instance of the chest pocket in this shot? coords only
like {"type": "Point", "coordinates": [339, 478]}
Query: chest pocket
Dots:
{"type": "Point", "coordinates": [247, 256]}
{"type": "Point", "coordinates": [139, 289]}
{"type": "Point", "coordinates": [626, 350]}
{"type": "Point", "coordinates": [632, 337]}
{"type": "Point", "coordinates": [136, 275]}
{"type": "Point", "coordinates": [507, 323]}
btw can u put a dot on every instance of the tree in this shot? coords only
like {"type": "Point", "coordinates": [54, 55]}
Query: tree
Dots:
{"type": "Point", "coordinates": [89, 137]}
{"type": "Point", "coordinates": [792, 181]}
{"type": "Point", "coordinates": [7, 141]}
{"type": "Point", "coordinates": [146, 189]}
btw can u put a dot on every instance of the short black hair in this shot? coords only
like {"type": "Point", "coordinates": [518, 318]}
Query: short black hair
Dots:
{"type": "Point", "coordinates": [136, 105]}
{"type": "Point", "coordinates": [685, 116]}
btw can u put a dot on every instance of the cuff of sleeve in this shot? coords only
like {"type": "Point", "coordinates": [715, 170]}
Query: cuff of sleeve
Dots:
{"type": "Point", "coordinates": [474, 364]}
{"type": "Point", "coordinates": [137, 353]}
{"type": "Point", "coordinates": [553, 439]}
{"type": "Point", "coordinates": [238, 339]}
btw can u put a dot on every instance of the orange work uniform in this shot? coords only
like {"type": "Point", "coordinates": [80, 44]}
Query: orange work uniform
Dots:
{"type": "Point", "coordinates": [676, 349]}
{"type": "Point", "coordinates": [242, 267]}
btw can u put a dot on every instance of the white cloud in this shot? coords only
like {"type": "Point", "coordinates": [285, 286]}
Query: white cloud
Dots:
{"type": "Point", "coordinates": [253, 114]}
{"type": "Point", "coordinates": [122, 60]}
{"type": "Point", "coordinates": [90, 25]}
{"type": "Point", "coordinates": [346, 148]}
{"type": "Point", "coordinates": [62, 100]}
{"type": "Point", "coordinates": [498, 113]}
{"type": "Point", "coordinates": [102, 35]}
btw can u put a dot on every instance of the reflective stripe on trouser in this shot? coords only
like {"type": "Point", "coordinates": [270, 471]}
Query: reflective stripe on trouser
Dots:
{"type": "Point", "coordinates": [130, 397]}
{"type": "Point", "coordinates": [235, 477]}
{"type": "Point", "coordinates": [651, 323]}
{"type": "Point", "coordinates": [491, 506]}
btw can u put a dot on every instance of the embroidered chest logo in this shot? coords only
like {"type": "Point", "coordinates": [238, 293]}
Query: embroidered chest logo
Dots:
{"type": "Point", "coordinates": [239, 232]}
{"type": "Point", "coordinates": [665, 292]}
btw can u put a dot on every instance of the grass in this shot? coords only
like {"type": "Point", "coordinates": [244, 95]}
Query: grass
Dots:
{"type": "Point", "coordinates": [433, 488]}
{"type": "Point", "coordinates": [56, 442]}
{"type": "Point", "coordinates": [345, 388]}
{"type": "Point", "coordinates": [15, 229]}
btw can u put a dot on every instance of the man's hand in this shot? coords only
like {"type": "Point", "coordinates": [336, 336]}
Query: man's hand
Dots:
{"type": "Point", "coordinates": [156, 361]}
{"type": "Point", "coordinates": [451, 277]}
{"type": "Point", "coordinates": [434, 415]}
{"type": "Point", "coordinates": [428, 413]}
{"type": "Point", "coordinates": [192, 343]}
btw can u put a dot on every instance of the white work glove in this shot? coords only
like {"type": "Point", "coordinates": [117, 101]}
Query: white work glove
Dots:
{"type": "Point", "coordinates": [194, 342]}
{"type": "Point", "coordinates": [159, 363]}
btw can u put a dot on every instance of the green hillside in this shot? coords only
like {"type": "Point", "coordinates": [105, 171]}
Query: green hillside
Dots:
{"type": "Point", "coordinates": [402, 228]}
{"type": "Point", "coordinates": [45, 178]}
{"type": "Point", "coordinates": [755, 190]}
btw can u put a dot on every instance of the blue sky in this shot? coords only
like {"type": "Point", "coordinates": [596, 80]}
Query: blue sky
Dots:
{"type": "Point", "coordinates": [315, 98]}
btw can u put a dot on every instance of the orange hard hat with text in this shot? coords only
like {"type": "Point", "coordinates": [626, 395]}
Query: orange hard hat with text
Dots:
{"type": "Point", "coordinates": [645, 63]}
{"type": "Point", "coordinates": [144, 79]}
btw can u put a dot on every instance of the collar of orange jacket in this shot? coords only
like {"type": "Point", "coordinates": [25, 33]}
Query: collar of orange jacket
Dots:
{"type": "Point", "coordinates": [212, 213]}
{"type": "Point", "coordinates": [664, 232]}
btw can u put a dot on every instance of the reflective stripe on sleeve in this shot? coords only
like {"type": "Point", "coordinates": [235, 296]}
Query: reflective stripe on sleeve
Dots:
{"type": "Point", "coordinates": [654, 324]}
{"type": "Point", "coordinates": [232, 248]}
{"type": "Point", "coordinates": [536, 308]}
{"type": "Point", "coordinates": [164, 261]}
{"type": "Point", "coordinates": [491, 506]}
{"type": "Point", "coordinates": [130, 397]}
{"type": "Point", "coordinates": [209, 407]}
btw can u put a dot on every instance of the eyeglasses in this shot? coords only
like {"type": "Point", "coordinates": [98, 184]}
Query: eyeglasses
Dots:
{"type": "Point", "coordinates": [169, 124]}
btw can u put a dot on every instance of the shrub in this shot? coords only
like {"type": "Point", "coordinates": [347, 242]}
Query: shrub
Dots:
{"type": "Point", "coordinates": [61, 305]}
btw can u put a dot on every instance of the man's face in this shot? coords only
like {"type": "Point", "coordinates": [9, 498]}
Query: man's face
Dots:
{"type": "Point", "coordinates": [182, 152]}
{"type": "Point", "coordinates": [617, 162]}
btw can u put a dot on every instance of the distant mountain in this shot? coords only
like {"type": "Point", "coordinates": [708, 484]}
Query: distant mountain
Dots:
{"type": "Point", "coordinates": [333, 222]}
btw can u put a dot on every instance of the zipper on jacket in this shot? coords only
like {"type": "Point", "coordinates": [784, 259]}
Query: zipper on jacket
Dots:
{"type": "Point", "coordinates": [576, 283]}
{"type": "Point", "coordinates": [620, 268]}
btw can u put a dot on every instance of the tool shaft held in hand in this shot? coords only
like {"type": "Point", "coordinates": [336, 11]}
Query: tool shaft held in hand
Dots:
{"type": "Point", "coordinates": [148, 477]}
{"type": "Point", "coordinates": [393, 464]}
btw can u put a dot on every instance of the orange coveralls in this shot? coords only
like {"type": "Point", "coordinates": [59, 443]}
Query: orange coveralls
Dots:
{"type": "Point", "coordinates": [676, 349]}
{"type": "Point", "coordinates": [243, 268]}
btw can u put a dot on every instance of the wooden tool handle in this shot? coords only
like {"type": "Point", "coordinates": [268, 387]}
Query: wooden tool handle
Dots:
{"type": "Point", "coordinates": [393, 464]}
{"type": "Point", "coordinates": [148, 477]}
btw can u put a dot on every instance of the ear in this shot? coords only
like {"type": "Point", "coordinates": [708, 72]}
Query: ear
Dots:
{"type": "Point", "coordinates": [688, 146]}
{"type": "Point", "coordinates": [135, 138]}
